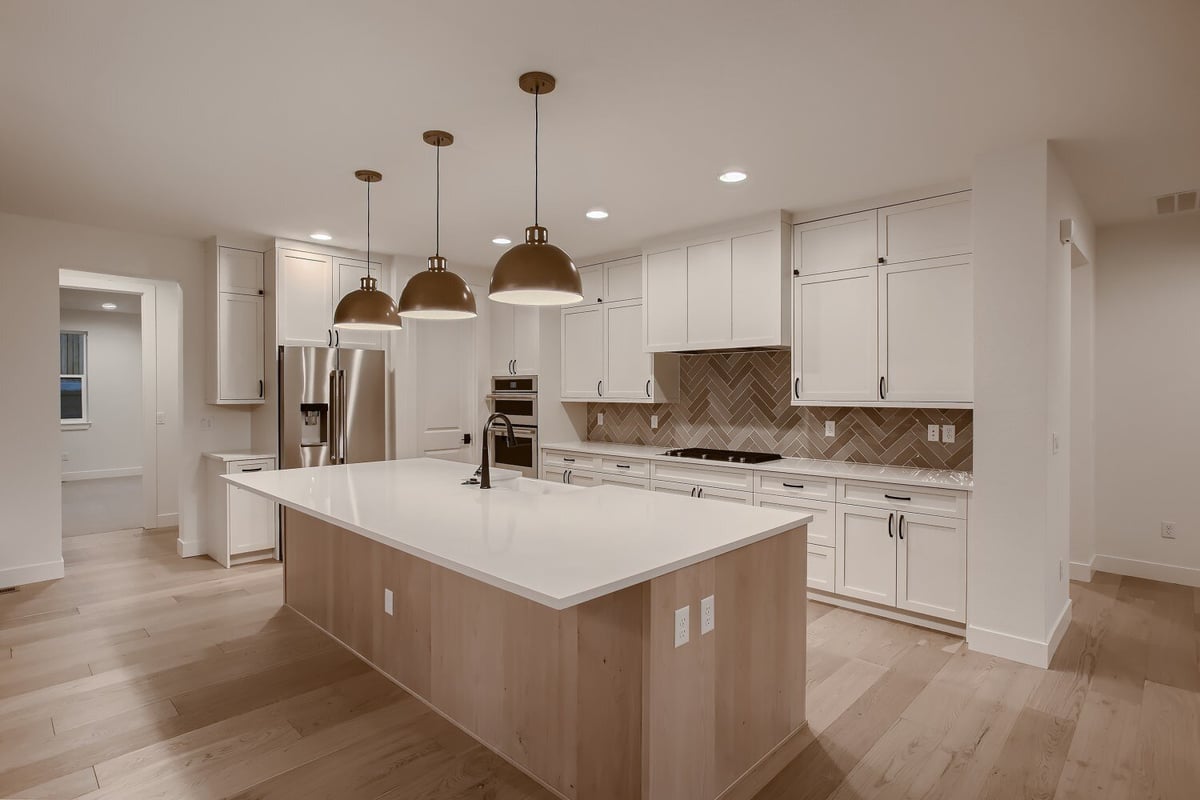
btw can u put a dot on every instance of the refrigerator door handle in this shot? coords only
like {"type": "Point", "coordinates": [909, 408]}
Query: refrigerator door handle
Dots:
{"type": "Point", "coordinates": [342, 444]}
{"type": "Point", "coordinates": [335, 418]}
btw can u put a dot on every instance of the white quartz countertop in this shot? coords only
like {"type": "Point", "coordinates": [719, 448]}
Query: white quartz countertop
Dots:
{"type": "Point", "coordinates": [945, 478]}
{"type": "Point", "coordinates": [555, 544]}
{"type": "Point", "coordinates": [237, 455]}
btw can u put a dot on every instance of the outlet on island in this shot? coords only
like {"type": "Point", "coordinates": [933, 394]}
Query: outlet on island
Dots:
{"type": "Point", "coordinates": [683, 625]}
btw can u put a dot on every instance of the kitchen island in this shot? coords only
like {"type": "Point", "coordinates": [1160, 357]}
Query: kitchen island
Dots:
{"type": "Point", "coordinates": [541, 619]}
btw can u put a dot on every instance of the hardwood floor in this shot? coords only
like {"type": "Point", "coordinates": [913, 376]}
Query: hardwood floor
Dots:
{"type": "Point", "coordinates": [142, 675]}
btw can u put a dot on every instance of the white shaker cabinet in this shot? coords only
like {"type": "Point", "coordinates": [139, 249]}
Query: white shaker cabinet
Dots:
{"type": "Point", "coordinates": [866, 547]}
{"type": "Point", "coordinates": [623, 280]}
{"type": "Point", "coordinates": [304, 311]}
{"type": "Point", "coordinates": [347, 276]}
{"type": "Point", "coordinates": [930, 228]}
{"type": "Point", "coordinates": [240, 526]}
{"type": "Point", "coordinates": [834, 352]}
{"type": "Point", "coordinates": [514, 338]}
{"type": "Point", "coordinates": [583, 353]}
{"type": "Point", "coordinates": [235, 323]}
{"type": "Point", "coordinates": [709, 280]}
{"type": "Point", "coordinates": [629, 371]}
{"type": "Point", "coordinates": [592, 279]}
{"type": "Point", "coordinates": [931, 565]}
{"type": "Point", "coordinates": [926, 329]}
{"type": "Point", "coordinates": [666, 300]}
{"type": "Point", "coordinates": [828, 245]}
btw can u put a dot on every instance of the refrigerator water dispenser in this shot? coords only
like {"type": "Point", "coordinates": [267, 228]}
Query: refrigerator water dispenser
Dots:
{"type": "Point", "coordinates": [314, 424]}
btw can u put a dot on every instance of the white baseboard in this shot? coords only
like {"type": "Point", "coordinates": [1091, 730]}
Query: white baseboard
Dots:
{"type": "Point", "coordinates": [31, 573]}
{"type": "Point", "coordinates": [952, 628]}
{"type": "Point", "coordinates": [1082, 571]}
{"type": "Point", "coordinates": [1019, 648]}
{"type": "Point", "coordinates": [189, 549]}
{"type": "Point", "coordinates": [167, 520]}
{"type": "Point", "coordinates": [1151, 570]}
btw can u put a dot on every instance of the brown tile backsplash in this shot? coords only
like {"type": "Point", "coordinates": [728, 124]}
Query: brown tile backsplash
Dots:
{"type": "Point", "coordinates": [740, 401]}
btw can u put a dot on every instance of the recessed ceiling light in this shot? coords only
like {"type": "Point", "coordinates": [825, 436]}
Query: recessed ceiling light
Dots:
{"type": "Point", "coordinates": [501, 240]}
{"type": "Point", "coordinates": [109, 306]}
{"type": "Point", "coordinates": [320, 237]}
{"type": "Point", "coordinates": [732, 176]}
{"type": "Point", "coordinates": [597, 213]}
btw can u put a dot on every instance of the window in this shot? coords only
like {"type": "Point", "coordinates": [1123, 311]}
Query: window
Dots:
{"type": "Point", "coordinates": [72, 377]}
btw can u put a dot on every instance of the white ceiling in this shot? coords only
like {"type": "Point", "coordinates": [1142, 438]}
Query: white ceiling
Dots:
{"type": "Point", "coordinates": [91, 300]}
{"type": "Point", "coordinates": [249, 117]}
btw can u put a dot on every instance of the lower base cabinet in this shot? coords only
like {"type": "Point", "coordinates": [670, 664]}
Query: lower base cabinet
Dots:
{"type": "Point", "coordinates": [578, 477]}
{"type": "Point", "coordinates": [240, 526]}
{"type": "Point", "coordinates": [704, 492]}
{"type": "Point", "coordinates": [822, 566]}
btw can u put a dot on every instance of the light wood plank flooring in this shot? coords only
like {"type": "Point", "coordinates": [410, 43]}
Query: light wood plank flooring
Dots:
{"type": "Point", "coordinates": [141, 675]}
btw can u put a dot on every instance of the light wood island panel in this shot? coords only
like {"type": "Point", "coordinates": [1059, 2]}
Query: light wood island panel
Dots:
{"type": "Point", "coordinates": [595, 701]}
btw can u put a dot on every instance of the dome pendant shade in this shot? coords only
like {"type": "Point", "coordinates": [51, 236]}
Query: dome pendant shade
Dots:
{"type": "Point", "coordinates": [367, 309]}
{"type": "Point", "coordinates": [437, 293]}
{"type": "Point", "coordinates": [536, 273]}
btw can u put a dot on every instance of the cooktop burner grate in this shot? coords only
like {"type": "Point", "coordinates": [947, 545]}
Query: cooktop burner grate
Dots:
{"type": "Point", "coordinates": [732, 456]}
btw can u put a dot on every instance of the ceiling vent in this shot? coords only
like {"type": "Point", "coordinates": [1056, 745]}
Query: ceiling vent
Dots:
{"type": "Point", "coordinates": [1176, 203]}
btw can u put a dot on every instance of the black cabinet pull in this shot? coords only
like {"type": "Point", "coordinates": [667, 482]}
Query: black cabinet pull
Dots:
{"type": "Point", "coordinates": [693, 491]}
{"type": "Point", "coordinates": [254, 469]}
{"type": "Point", "coordinates": [647, 388]}
{"type": "Point", "coordinates": [566, 458]}
{"type": "Point", "coordinates": [891, 517]}
{"type": "Point", "coordinates": [795, 273]}
{"type": "Point", "coordinates": [329, 337]}
{"type": "Point", "coordinates": [897, 497]}
{"type": "Point", "coordinates": [598, 392]}
{"type": "Point", "coordinates": [793, 485]}
{"type": "Point", "coordinates": [796, 388]}
{"type": "Point", "coordinates": [260, 387]}
{"type": "Point", "coordinates": [882, 260]}
{"type": "Point", "coordinates": [622, 466]}
{"type": "Point", "coordinates": [700, 491]}
{"type": "Point", "coordinates": [900, 527]}
{"type": "Point", "coordinates": [882, 389]}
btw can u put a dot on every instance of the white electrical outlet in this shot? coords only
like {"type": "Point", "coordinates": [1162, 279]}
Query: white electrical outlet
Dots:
{"type": "Point", "coordinates": [205, 423]}
{"type": "Point", "coordinates": [708, 614]}
{"type": "Point", "coordinates": [683, 625]}
{"type": "Point", "coordinates": [931, 432]}
{"type": "Point", "coordinates": [654, 422]}
{"type": "Point", "coordinates": [948, 434]}
{"type": "Point", "coordinates": [388, 600]}
{"type": "Point", "coordinates": [1168, 530]}
{"type": "Point", "coordinates": [830, 428]}
{"type": "Point", "coordinates": [600, 418]}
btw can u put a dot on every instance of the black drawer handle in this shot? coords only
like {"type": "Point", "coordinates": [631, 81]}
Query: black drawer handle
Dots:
{"type": "Point", "coordinates": [256, 469]}
{"type": "Point", "coordinates": [897, 497]}
{"type": "Point", "coordinates": [622, 466]}
{"type": "Point", "coordinates": [571, 460]}
{"type": "Point", "coordinates": [793, 485]}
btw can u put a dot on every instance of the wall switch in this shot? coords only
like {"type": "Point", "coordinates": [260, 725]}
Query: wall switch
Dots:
{"type": "Point", "coordinates": [1060, 569]}
{"type": "Point", "coordinates": [708, 614]}
{"type": "Point", "coordinates": [1168, 530]}
{"type": "Point", "coordinates": [600, 418]}
{"type": "Point", "coordinates": [388, 607]}
{"type": "Point", "coordinates": [830, 428]}
{"type": "Point", "coordinates": [948, 434]}
{"type": "Point", "coordinates": [931, 433]}
{"type": "Point", "coordinates": [683, 625]}
{"type": "Point", "coordinates": [654, 422]}
{"type": "Point", "coordinates": [1054, 444]}
{"type": "Point", "coordinates": [160, 418]}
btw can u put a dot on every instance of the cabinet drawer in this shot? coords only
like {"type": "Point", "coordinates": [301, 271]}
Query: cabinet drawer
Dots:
{"type": "Point", "coordinates": [625, 466]}
{"type": "Point", "coordinates": [795, 486]}
{"type": "Point", "coordinates": [632, 481]}
{"type": "Point", "coordinates": [821, 567]}
{"type": "Point", "coordinates": [823, 528]}
{"type": "Point", "coordinates": [716, 477]}
{"type": "Point", "coordinates": [923, 499]}
{"type": "Point", "coordinates": [704, 492]}
{"type": "Point", "coordinates": [562, 460]}
{"type": "Point", "coordinates": [257, 465]}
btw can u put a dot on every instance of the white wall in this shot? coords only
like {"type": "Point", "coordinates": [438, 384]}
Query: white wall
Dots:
{"type": "Point", "coordinates": [1020, 511]}
{"type": "Point", "coordinates": [34, 250]}
{"type": "Point", "coordinates": [1147, 390]}
{"type": "Point", "coordinates": [114, 381]}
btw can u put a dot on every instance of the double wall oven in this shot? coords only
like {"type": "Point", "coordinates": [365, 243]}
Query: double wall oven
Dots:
{"type": "Point", "coordinates": [516, 397]}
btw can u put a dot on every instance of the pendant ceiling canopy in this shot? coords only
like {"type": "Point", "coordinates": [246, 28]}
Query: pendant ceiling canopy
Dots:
{"type": "Point", "coordinates": [437, 293]}
{"type": "Point", "coordinates": [367, 308]}
{"type": "Point", "coordinates": [536, 273]}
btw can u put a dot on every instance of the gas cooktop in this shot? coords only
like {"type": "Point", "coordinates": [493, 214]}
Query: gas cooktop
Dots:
{"type": "Point", "coordinates": [734, 456]}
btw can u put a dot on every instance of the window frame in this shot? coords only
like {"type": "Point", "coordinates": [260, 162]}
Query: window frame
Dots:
{"type": "Point", "coordinates": [84, 421]}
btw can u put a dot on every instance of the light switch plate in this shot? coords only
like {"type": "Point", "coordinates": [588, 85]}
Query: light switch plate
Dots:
{"type": "Point", "coordinates": [830, 428]}
{"type": "Point", "coordinates": [600, 418]}
{"type": "Point", "coordinates": [932, 433]}
{"type": "Point", "coordinates": [654, 422]}
{"type": "Point", "coordinates": [160, 418]}
{"type": "Point", "coordinates": [948, 434]}
{"type": "Point", "coordinates": [388, 602]}
{"type": "Point", "coordinates": [708, 614]}
{"type": "Point", "coordinates": [683, 625]}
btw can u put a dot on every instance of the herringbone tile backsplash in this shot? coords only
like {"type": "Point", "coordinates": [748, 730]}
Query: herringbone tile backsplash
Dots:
{"type": "Point", "coordinates": [740, 401]}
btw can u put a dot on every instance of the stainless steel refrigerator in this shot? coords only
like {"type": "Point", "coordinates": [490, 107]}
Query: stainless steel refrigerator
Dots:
{"type": "Point", "coordinates": [331, 406]}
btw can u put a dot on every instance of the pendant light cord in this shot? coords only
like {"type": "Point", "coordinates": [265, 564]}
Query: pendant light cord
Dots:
{"type": "Point", "coordinates": [437, 217]}
{"type": "Point", "coordinates": [368, 229]}
{"type": "Point", "coordinates": [536, 126]}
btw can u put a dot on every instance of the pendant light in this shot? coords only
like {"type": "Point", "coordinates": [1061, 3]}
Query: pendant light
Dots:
{"type": "Point", "coordinates": [536, 273]}
{"type": "Point", "coordinates": [367, 308]}
{"type": "Point", "coordinates": [437, 293]}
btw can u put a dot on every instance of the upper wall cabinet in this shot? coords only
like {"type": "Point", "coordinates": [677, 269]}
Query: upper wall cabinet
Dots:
{"type": "Point", "coordinates": [309, 286]}
{"type": "Point", "coordinates": [889, 329]}
{"type": "Point", "coordinates": [515, 338]}
{"type": "Point", "coordinates": [235, 323]}
{"type": "Point", "coordinates": [611, 281]}
{"type": "Point", "coordinates": [719, 289]}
